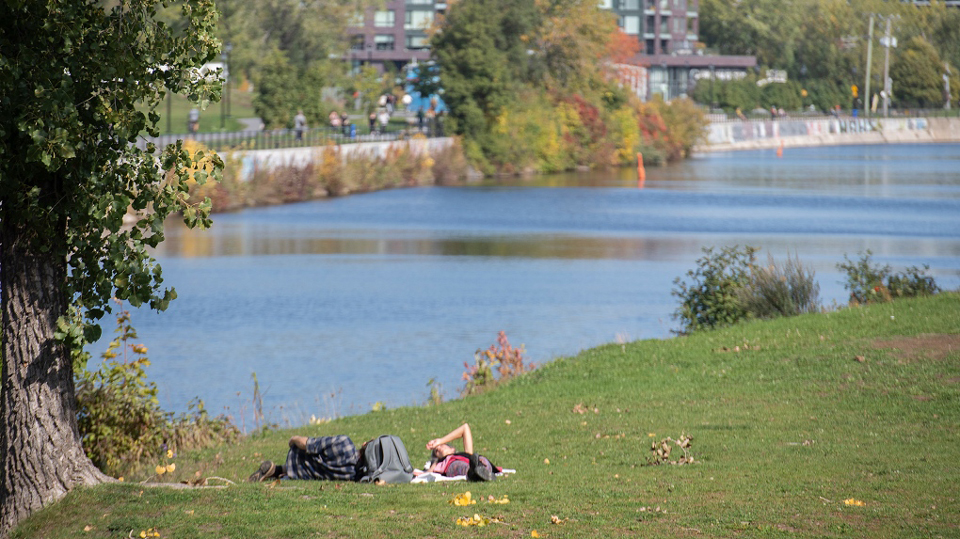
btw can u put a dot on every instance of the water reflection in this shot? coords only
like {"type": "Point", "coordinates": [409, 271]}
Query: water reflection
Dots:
{"type": "Point", "coordinates": [252, 243]}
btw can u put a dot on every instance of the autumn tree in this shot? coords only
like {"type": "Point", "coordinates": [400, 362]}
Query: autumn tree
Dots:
{"type": "Point", "coordinates": [572, 39]}
{"type": "Point", "coordinates": [73, 75]}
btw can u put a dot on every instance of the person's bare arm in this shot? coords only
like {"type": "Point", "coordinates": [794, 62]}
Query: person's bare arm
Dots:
{"type": "Point", "coordinates": [463, 431]}
{"type": "Point", "coordinates": [299, 442]}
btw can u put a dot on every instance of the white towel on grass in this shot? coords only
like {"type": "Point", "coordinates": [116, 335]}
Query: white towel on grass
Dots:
{"type": "Point", "coordinates": [433, 477]}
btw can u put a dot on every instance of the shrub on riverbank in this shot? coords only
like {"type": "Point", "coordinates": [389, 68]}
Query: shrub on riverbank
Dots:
{"type": "Point", "coordinates": [871, 283]}
{"type": "Point", "coordinates": [543, 133]}
{"type": "Point", "coordinates": [121, 424]}
{"type": "Point", "coordinates": [729, 286]}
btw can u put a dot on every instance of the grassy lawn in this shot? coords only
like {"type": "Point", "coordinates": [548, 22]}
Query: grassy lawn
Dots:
{"type": "Point", "coordinates": [241, 106]}
{"type": "Point", "coordinates": [789, 419]}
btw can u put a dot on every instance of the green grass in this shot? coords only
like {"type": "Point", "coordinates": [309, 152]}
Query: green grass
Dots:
{"type": "Point", "coordinates": [785, 429]}
{"type": "Point", "coordinates": [241, 106]}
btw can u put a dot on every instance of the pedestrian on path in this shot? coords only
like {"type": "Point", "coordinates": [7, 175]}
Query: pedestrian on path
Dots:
{"type": "Point", "coordinates": [299, 124]}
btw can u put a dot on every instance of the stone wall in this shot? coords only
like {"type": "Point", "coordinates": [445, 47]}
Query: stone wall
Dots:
{"type": "Point", "coordinates": [253, 160]}
{"type": "Point", "coordinates": [757, 134]}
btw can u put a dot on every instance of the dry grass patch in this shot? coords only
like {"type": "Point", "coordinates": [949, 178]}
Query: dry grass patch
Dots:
{"type": "Point", "coordinates": [936, 347]}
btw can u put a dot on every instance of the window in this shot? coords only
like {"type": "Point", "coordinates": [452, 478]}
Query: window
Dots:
{"type": "Point", "coordinates": [418, 20]}
{"type": "Point", "coordinates": [428, 2]}
{"type": "Point", "coordinates": [605, 4]}
{"type": "Point", "coordinates": [678, 26]}
{"type": "Point", "coordinates": [356, 43]}
{"type": "Point", "coordinates": [630, 5]}
{"type": "Point", "coordinates": [664, 5]}
{"type": "Point", "coordinates": [631, 24]}
{"type": "Point", "coordinates": [385, 18]}
{"type": "Point", "coordinates": [416, 43]}
{"type": "Point", "coordinates": [356, 20]}
{"type": "Point", "coordinates": [664, 25]}
{"type": "Point", "coordinates": [384, 42]}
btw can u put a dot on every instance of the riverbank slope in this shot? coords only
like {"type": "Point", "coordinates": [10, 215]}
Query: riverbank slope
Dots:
{"type": "Point", "coordinates": [840, 423]}
{"type": "Point", "coordinates": [791, 133]}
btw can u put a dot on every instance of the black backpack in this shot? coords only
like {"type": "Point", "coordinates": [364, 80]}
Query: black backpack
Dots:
{"type": "Point", "coordinates": [385, 459]}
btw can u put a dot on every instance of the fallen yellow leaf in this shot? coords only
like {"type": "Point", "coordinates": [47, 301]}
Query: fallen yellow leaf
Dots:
{"type": "Point", "coordinates": [463, 499]}
{"type": "Point", "coordinates": [534, 534]}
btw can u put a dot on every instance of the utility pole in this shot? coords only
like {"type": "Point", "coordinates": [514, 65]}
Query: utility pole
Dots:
{"type": "Point", "coordinates": [866, 96]}
{"type": "Point", "coordinates": [886, 73]}
{"type": "Point", "coordinates": [946, 85]}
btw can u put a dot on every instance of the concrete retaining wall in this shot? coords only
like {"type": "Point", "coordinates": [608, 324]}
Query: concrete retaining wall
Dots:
{"type": "Point", "coordinates": [758, 134]}
{"type": "Point", "coordinates": [254, 160]}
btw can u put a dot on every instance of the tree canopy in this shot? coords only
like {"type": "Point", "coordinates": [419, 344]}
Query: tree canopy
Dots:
{"type": "Point", "coordinates": [823, 43]}
{"type": "Point", "coordinates": [72, 75]}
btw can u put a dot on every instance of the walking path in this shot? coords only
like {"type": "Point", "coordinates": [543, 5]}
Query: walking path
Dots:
{"type": "Point", "coordinates": [251, 124]}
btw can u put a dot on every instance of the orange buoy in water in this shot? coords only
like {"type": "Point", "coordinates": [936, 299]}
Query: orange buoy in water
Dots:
{"type": "Point", "coordinates": [641, 173]}
{"type": "Point", "coordinates": [780, 150]}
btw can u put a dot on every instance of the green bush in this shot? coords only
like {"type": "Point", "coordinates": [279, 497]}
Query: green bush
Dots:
{"type": "Point", "coordinates": [120, 420]}
{"type": "Point", "coordinates": [871, 283]}
{"type": "Point", "coordinates": [728, 286]}
{"type": "Point", "coordinates": [785, 95]}
{"type": "Point", "coordinates": [776, 290]}
{"type": "Point", "coordinates": [711, 299]}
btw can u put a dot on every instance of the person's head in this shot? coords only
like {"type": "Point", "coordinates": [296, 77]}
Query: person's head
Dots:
{"type": "Point", "coordinates": [441, 452]}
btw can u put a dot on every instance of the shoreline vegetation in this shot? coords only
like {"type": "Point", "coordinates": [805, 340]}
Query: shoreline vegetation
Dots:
{"type": "Point", "coordinates": [840, 423]}
{"type": "Point", "coordinates": [581, 138]}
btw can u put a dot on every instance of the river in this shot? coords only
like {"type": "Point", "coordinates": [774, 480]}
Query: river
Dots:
{"type": "Point", "coordinates": [342, 303]}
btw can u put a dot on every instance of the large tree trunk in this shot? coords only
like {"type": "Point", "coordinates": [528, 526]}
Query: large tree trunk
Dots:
{"type": "Point", "coordinates": [41, 457]}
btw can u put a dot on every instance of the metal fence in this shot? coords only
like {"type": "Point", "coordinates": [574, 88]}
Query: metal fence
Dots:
{"type": "Point", "coordinates": [289, 138]}
{"type": "Point", "coordinates": [716, 116]}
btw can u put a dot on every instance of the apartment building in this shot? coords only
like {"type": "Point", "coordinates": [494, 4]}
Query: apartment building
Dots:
{"type": "Point", "coordinates": [661, 26]}
{"type": "Point", "coordinates": [669, 62]}
{"type": "Point", "coordinates": [394, 35]}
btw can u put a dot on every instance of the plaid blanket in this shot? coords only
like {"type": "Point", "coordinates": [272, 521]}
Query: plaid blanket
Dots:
{"type": "Point", "coordinates": [326, 457]}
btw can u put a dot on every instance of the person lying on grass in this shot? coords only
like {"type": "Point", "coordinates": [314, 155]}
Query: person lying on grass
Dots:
{"type": "Point", "coordinates": [324, 457]}
{"type": "Point", "coordinates": [446, 461]}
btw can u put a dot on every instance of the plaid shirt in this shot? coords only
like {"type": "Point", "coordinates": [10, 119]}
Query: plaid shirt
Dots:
{"type": "Point", "coordinates": [326, 457]}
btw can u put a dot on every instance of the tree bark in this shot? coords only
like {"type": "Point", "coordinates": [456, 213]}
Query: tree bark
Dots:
{"type": "Point", "coordinates": [41, 457]}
